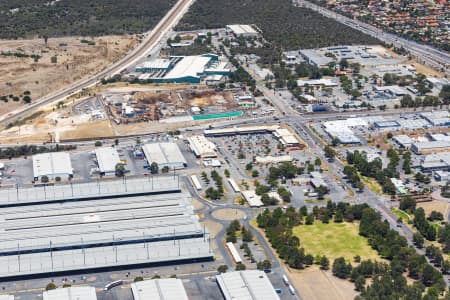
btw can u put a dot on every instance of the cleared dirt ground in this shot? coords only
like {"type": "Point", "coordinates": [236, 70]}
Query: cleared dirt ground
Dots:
{"type": "Point", "coordinates": [74, 60]}
{"type": "Point", "coordinates": [315, 284]}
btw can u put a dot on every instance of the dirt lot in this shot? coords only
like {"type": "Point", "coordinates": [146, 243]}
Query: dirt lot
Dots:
{"type": "Point", "coordinates": [314, 284]}
{"type": "Point", "coordinates": [229, 214]}
{"type": "Point", "coordinates": [74, 60]}
{"type": "Point", "coordinates": [440, 206]}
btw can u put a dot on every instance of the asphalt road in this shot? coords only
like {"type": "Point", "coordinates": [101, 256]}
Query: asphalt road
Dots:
{"type": "Point", "coordinates": [430, 55]}
{"type": "Point", "coordinates": [151, 39]}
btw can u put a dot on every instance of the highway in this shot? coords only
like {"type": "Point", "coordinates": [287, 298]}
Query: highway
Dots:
{"type": "Point", "coordinates": [151, 40]}
{"type": "Point", "coordinates": [427, 54]}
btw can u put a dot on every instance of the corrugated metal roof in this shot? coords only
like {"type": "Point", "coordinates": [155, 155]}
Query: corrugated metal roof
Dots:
{"type": "Point", "coordinates": [159, 289]}
{"type": "Point", "coordinates": [71, 293]}
{"type": "Point", "coordinates": [163, 153]}
{"type": "Point", "coordinates": [246, 285]}
{"type": "Point", "coordinates": [107, 158]}
{"type": "Point", "coordinates": [49, 164]}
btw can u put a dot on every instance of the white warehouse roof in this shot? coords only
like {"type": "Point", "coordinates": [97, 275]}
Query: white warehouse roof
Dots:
{"type": "Point", "coordinates": [107, 158]}
{"type": "Point", "coordinates": [188, 66]}
{"type": "Point", "coordinates": [246, 285]}
{"type": "Point", "coordinates": [52, 164]}
{"type": "Point", "coordinates": [6, 297]}
{"type": "Point", "coordinates": [71, 293]}
{"type": "Point", "coordinates": [159, 289]}
{"type": "Point", "coordinates": [242, 29]}
{"type": "Point", "coordinates": [252, 198]}
{"type": "Point", "coordinates": [164, 154]}
{"type": "Point", "coordinates": [201, 146]}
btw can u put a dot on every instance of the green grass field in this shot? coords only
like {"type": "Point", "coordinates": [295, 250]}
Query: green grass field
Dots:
{"type": "Point", "coordinates": [401, 214]}
{"type": "Point", "coordinates": [334, 240]}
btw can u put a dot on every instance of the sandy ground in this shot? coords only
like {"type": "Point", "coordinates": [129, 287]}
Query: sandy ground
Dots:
{"type": "Point", "coordinates": [228, 214]}
{"type": "Point", "coordinates": [315, 284]}
{"type": "Point", "coordinates": [196, 204]}
{"type": "Point", "coordinates": [440, 206]}
{"type": "Point", "coordinates": [75, 60]}
{"type": "Point", "coordinates": [213, 227]}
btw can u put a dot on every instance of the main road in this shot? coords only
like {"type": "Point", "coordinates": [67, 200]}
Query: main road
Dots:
{"type": "Point", "coordinates": [151, 40]}
{"type": "Point", "coordinates": [428, 54]}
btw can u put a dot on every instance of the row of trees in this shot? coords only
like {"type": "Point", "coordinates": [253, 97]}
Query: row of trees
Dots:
{"type": "Point", "coordinates": [27, 150]}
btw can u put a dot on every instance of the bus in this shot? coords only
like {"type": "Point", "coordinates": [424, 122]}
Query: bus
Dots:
{"type": "Point", "coordinates": [196, 182]}
{"type": "Point", "coordinates": [113, 284]}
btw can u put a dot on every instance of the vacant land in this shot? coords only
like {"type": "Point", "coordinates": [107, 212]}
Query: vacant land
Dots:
{"type": "Point", "coordinates": [61, 61]}
{"type": "Point", "coordinates": [334, 240]}
{"type": "Point", "coordinates": [229, 214]}
{"type": "Point", "coordinates": [315, 284]}
{"type": "Point", "coordinates": [440, 206]}
{"type": "Point", "coordinates": [31, 18]}
{"type": "Point", "coordinates": [287, 26]}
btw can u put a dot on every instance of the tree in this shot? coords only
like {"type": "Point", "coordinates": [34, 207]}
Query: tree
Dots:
{"type": "Point", "coordinates": [249, 166]}
{"type": "Point", "coordinates": [309, 219]}
{"type": "Point", "coordinates": [222, 269]}
{"type": "Point", "coordinates": [444, 94]}
{"type": "Point", "coordinates": [329, 152]}
{"type": "Point", "coordinates": [50, 286]}
{"type": "Point", "coordinates": [418, 240]}
{"type": "Point", "coordinates": [247, 235]}
{"type": "Point", "coordinates": [138, 278]}
{"type": "Point", "coordinates": [408, 203]}
{"type": "Point", "coordinates": [255, 173]}
{"type": "Point", "coordinates": [240, 267]}
{"type": "Point", "coordinates": [324, 263]}
{"type": "Point", "coordinates": [154, 168]}
{"type": "Point", "coordinates": [318, 161]}
{"type": "Point", "coordinates": [343, 64]}
{"type": "Point", "coordinates": [340, 268]}
{"type": "Point", "coordinates": [264, 265]}
{"type": "Point", "coordinates": [44, 179]}
{"type": "Point", "coordinates": [435, 216]}
{"type": "Point", "coordinates": [165, 169]}
{"type": "Point", "coordinates": [360, 283]}
{"type": "Point", "coordinates": [120, 169]}
{"type": "Point", "coordinates": [98, 144]}
{"type": "Point", "coordinates": [116, 142]}
{"type": "Point", "coordinates": [226, 173]}
{"type": "Point", "coordinates": [26, 99]}
{"type": "Point", "coordinates": [58, 179]}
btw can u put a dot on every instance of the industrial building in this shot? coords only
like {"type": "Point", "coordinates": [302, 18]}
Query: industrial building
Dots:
{"type": "Point", "coordinates": [403, 141]}
{"type": "Point", "coordinates": [165, 155]}
{"type": "Point", "coordinates": [285, 137]}
{"type": "Point", "coordinates": [252, 198]}
{"type": "Point", "coordinates": [183, 69]}
{"type": "Point", "coordinates": [240, 130]}
{"type": "Point", "coordinates": [246, 285]}
{"type": "Point", "coordinates": [202, 147]}
{"type": "Point", "coordinates": [315, 58]}
{"type": "Point", "coordinates": [98, 234]}
{"type": "Point", "coordinates": [6, 297]}
{"type": "Point", "coordinates": [98, 226]}
{"type": "Point", "coordinates": [436, 162]}
{"type": "Point", "coordinates": [437, 118]}
{"type": "Point", "coordinates": [107, 159]}
{"type": "Point", "coordinates": [242, 30]}
{"type": "Point", "coordinates": [264, 160]}
{"type": "Point", "coordinates": [71, 293]}
{"type": "Point", "coordinates": [52, 165]}
{"type": "Point", "coordinates": [430, 147]}
{"type": "Point", "coordinates": [318, 82]}
{"type": "Point", "coordinates": [159, 289]}
{"type": "Point", "coordinates": [341, 129]}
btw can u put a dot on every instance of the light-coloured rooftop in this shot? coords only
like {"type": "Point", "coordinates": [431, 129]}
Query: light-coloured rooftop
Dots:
{"type": "Point", "coordinates": [107, 158]}
{"type": "Point", "coordinates": [246, 285]}
{"type": "Point", "coordinates": [242, 29]}
{"type": "Point", "coordinates": [159, 289]}
{"type": "Point", "coordinates": [202, 146]}
{"type": "Point", "coordinates": [164, 154]}
{"type": "Point", "coordinates": [71, 293]}
{"type": "Point", "coordinates": [188, 66]}
{"type": "Point", "coordinates": [50, 164]}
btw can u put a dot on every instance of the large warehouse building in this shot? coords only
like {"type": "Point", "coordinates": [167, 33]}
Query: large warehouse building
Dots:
{"type": "Point", "coordinates": [71, 293]}
{"type": "Point", "coordinates": [159, 289]}
{"type": "Point", "coordinates": [246, 285]}
{"type": "Point", "coordinates": [52, 165]}
{"type": "Point", "coordinates": [104, 232]}
{"type": "Point", "coordinates": [242, 30]}
{"type": "Point", "coordinates": [107, 159]}
{"type": "Point", "coordinates": [183, 69]}
{"type": "Point", "coordinates": [202, 147]}
{"type": "Point", "coordinates": [165, 155]}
